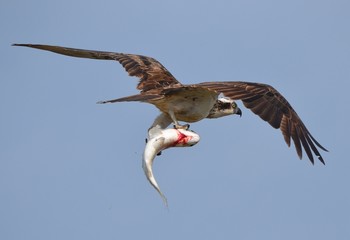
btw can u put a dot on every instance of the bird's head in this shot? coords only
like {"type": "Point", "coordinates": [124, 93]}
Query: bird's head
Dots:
{"type": "Point", "coordinates": [223, 107]}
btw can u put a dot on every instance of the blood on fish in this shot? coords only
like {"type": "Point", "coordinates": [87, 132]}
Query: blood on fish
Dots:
{"type": "Point", "coordinates": [181, 139]}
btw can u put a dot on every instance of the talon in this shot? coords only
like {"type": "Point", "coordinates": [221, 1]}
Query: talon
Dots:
{"type": "Point", "coordinates": [160, 153]}
{"type": "Point", "coordinates": [185, 127]}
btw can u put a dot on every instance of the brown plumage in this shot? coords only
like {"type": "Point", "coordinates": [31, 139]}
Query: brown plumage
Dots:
{"type": "Point", "coordinates": [151, 73]}
{"type": "Point", "coordinates": [272, 107]}
{"type": "Point", "coordinates": [157, 85]}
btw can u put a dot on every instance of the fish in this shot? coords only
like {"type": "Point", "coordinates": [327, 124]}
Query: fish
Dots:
{"type": "Point", "coordinates": [159, 140]}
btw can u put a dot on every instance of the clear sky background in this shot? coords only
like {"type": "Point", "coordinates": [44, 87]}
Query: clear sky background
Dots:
{"type": "Point", "coordinates": [71, 169]}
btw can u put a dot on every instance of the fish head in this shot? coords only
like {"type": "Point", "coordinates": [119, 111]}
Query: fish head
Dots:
{"type": "Point", "coordinates": [185, 138]}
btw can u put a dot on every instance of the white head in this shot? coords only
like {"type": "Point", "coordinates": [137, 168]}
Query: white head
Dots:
{"type": "Point", "coordinates": [224, 106]}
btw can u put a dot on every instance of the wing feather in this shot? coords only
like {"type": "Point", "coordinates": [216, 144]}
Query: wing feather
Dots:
{"type": "Point", "coordinates": [152, 74]}
{"type": "Point", "coordinates": [296, 141]}
{"type": "Point", "coordinates": [286, 129]}
{"type": "Point", "coordinates": [268, 114]}
{"type": "Point", "coordinates": [272, 107]}
{"type": "Point", "coordinates": [276, 118]}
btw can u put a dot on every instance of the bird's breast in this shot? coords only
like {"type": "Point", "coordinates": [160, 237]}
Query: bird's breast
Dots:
{"type": "Point", "coordinates": [188, 105]}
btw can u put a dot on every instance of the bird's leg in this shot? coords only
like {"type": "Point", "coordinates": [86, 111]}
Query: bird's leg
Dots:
{"type": "Point", "coordinates": [176, 123]}
{"type": "Point", "coordinates": [185, 126]}
{"type": "Point", "coordinates": [160, 123]}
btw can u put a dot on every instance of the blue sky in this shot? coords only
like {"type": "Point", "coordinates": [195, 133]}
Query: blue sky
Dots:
{"type": "Point", "coordinates": [71, 169]}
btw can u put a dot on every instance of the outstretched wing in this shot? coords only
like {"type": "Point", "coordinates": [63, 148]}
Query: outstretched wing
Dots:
{"type": "Point", "coordinates": [152, 73]}
{"type": "Point", "coordinates": [272, 107]}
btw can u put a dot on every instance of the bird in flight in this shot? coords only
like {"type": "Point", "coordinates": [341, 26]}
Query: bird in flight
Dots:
{"type": "Point", "coordinates": [194, 102]}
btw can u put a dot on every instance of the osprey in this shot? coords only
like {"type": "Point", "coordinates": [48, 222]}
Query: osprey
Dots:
{"type": "Point", "coordinates": [194, 102]}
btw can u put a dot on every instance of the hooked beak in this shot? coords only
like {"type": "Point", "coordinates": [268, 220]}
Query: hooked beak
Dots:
{"type": "Point", "coordinates": [238, 112]}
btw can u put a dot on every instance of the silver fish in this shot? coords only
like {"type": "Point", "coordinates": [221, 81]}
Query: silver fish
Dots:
{"type": "Point", "coordinates": [159, 140]}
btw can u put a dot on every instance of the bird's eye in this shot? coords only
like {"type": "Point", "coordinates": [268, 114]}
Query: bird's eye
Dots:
{"type": "Point", "coordinates": [234, 105]}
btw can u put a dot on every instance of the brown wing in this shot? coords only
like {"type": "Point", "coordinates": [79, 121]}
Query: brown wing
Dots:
{"type": "Point", "coordinates": [152, 74]}
{"type": "Point", "coordinates": [272, 107]}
